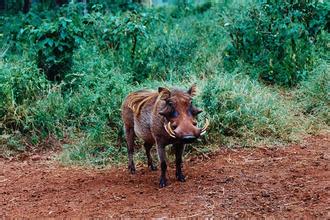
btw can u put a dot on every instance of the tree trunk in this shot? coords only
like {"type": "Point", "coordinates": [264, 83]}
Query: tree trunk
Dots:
{"type": "Point", "coordinates": [2, 4]}
{"type": "Point", "coordinates": [61, 2]}
{"type": "Point", "coordinates": [26, 6]}
{"type": "Point", "coordinates": [134, 41]}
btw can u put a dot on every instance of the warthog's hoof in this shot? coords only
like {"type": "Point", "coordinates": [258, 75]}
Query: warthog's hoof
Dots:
{"type": "Point", "coordinates": [180, 177]}
{"type": "Point", "coordinates": [132, 169]}
{"type": "Point", "coordinates": [162, 182]}
{"type": "Point", "coordinates": [152, 167]}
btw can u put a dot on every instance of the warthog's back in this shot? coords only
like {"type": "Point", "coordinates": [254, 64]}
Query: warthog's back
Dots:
{"type": "Point", "coordinates": [136, 100]}
{"type": "Point", "coordinates": [137, 111]}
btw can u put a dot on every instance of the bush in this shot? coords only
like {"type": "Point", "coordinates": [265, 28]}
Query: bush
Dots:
{"type": "Point", "coordinates": [48, 37]}
{"type": "Point", "coordinates": [94, 93]}
{"type": "Point", "coordinates": [277, 38]}
{"type": "Point", "coordinates": [21, 85]}
{"type": "Point", "coordinates": [54, 41]}
{"type": "Point", "coordinates": [313, 94]}
{"type": "Point", "coordinates": [54, 45]}
{"type": "Point", "coordinates": [243, 109]}
{"type": "Point", "coordinates": [47, 116]}
{"type": "Point", "coordinates": [171, 54]}
{"type": "Point", "coordinates": [179, 49]}
{"type": "Point", "coordinates": [88, 152]}
{"type": "Point", "coordinates": [121, 35]}
{"type": "Point", "coordinates": [29, 105]}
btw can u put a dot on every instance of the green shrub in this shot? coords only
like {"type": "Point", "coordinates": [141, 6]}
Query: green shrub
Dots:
{"type": "Point", "coordinates": [184, 8]}
{"type": "Point", "coordinates": [313, 94]}
{"type": "Point", "coordinates": [87, 103]}
{"type": "Point", "coordinates": [10, 144]}
{"type": "Point", "coordinates": [48, 115]}
{"type": "Point", "coordinates": [54, 41]}
{"type": "Point", "coordinates": [180, 48]}
{"type": "Point", "coordinates": [54, 47]}
{"type": "Point", "coordinates": [88, 152]}
{"type": "Point", "coordinates": [121, 35]}
{"type": "Point", "coordinates": [171, 54]}
{"type": "Point", "coordinates": [48, 37]}
{"type": "Point", "coordinates": [21, 84]}
{"type": "Point", "coordinates": [276, 37]}
{"type": "Point", "coordinates": [245, 110]}
{"type": "Point", "coordinates": [28, 103]}
{"type": "Point", "coordinates": [103, 92]}
{"type": "Point", "coordinates": [94, 92]}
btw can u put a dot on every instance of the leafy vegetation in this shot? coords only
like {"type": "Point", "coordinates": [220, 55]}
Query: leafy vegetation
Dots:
{"type": "Point", "coordinates": [278, 37]}
{"type": "Point", "coordinates": [65, 72]}
{"type": "Point", "coordinates": [313, 96]}
{"type": "Point", "coordinates": [244, 109]}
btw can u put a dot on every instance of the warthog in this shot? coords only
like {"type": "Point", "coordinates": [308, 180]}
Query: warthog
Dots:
{"type": "Point", "coordinates": [162, 118]}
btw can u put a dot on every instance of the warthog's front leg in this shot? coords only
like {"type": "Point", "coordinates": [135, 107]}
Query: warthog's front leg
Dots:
{"type": "Point", "coordinates": [178, 162]}
{"type": "Point", "coordinates": [162, 159]}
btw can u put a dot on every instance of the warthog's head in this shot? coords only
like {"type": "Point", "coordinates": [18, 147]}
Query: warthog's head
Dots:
{"type": "Point", "coordinates": [181, 114]}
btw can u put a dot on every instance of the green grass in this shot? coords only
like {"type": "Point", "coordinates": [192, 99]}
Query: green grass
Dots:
{"type": "Point", "coordinates": [313, 98]}
{"type": "Point", "coordinates": [246, 111]}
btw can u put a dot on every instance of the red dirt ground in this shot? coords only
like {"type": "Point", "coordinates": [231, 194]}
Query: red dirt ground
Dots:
{"type": "Point", "coordinates": [261, 182]}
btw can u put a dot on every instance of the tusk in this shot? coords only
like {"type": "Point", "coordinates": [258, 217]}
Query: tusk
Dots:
{"type": "Point", "coordinates": [206, 125]}
{"type": "Point", "coordinates": [169, 129]}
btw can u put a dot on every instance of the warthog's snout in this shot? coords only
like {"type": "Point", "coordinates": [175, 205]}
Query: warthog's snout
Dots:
{"type": "Point", "coordinates": [186, 132]}
{"type": "Point", "coordinates": [189, 139]}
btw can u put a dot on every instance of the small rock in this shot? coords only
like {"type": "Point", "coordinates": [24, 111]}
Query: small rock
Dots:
{"type": "Point", "coordinates": [36, 157]}
{"type": "Point", "coordinates": [227, 180]}
{"type": "Point", "coordinates": [265, 194]}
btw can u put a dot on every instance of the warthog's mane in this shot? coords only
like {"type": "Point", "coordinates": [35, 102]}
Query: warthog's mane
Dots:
{"type": "Point", "coordinates": [136, 100]}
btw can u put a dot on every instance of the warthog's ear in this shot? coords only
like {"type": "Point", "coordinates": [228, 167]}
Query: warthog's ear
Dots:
{"type": "Point", "coordinates": [164, 93]}
{"type": "Point", "coordinates": [192, 90]}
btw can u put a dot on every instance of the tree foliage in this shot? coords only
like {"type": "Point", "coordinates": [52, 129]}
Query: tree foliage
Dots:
{"type": "Point", "coordinates": [277, 38]}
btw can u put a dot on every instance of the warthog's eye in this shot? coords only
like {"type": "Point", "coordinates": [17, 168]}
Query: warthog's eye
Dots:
{"type": "Point", "coordinates": [174, 114]}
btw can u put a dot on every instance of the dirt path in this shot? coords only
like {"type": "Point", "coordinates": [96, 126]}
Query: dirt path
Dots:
{"type": "Point", "coordinates": [281, 182]}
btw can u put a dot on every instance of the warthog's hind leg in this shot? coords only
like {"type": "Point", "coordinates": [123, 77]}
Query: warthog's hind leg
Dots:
{"type": "Point", "coordinates": [130, 136]}
{"type": "Point", "coordinates": [151, 165]}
